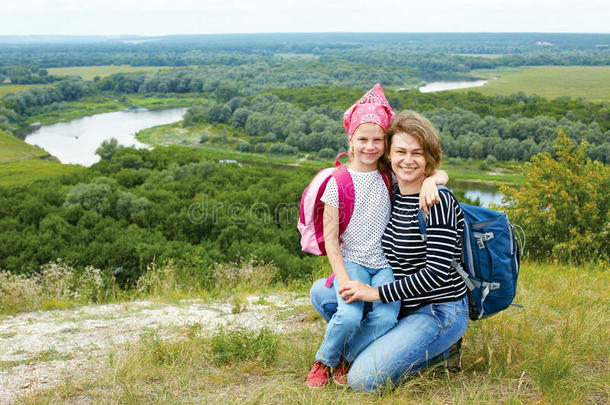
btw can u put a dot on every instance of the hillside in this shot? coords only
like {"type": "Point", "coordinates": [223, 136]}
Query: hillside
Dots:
{"type": "Point", "coordinates": [12, 149]}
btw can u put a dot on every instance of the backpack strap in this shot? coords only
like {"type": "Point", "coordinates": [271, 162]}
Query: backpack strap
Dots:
{"type": "Point", "coordinates": [421, 218]}
{"type": "Point", "coordinates": [387, 179]}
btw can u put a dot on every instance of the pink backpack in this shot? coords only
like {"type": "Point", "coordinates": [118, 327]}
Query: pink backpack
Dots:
{"type": "Point", "coordinates": [311, 224]}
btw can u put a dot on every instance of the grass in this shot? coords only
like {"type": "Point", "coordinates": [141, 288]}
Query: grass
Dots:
{"type": "Point", "coordinates": [27, 171]}
{"type": "Point", "coordinates": [89, 72]}
{"type": "Point", "coordinates": [589, 82]}
{"type": "Point", "coordinates": [12, 149]}
{"type": "Point", "coordinates": [554, 350]}
{"type": "Point", "coordinates": [14, 88]}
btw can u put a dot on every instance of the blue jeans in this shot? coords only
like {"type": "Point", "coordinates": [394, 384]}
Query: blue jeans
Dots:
{"type": "Point", "coordinates": [347, 333]}
{"type": "Point", "coordinates": [420, 338]}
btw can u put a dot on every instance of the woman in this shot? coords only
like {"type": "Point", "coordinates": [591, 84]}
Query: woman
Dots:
{"type": "Point", "coordinates": [434, 305]}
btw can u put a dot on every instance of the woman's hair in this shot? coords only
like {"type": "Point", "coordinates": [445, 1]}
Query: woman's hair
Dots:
{"type": "Point", "coordinates": [411, 123]}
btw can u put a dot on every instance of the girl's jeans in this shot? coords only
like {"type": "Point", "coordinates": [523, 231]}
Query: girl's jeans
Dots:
{"type": "Point", "coordinates": [347, 333]}
{"type": "Point", "coordinates": [422, 337]}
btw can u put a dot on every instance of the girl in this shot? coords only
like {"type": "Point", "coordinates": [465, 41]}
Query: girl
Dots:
{"type": "Point", "coordinates": [359, 256]}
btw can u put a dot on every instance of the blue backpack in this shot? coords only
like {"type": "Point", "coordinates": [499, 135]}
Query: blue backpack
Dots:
{"type": "Point", "coordinates": [490, 258]}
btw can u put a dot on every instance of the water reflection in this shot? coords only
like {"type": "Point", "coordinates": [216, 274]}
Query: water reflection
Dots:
{"type": "Point", "coordinates": [440, 86]}
{"type": "Point", "coordinates": [76, 141]}
{"type": "Point", "coordinates": [485, 192]}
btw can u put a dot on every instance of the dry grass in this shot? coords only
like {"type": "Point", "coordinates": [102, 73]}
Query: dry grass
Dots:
{"type": "Point", "coordinates": [555, 350]}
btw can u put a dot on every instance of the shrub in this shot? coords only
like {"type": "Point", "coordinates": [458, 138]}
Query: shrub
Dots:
{"type": "Point", "coordinates": [251, 272]}
{"type": "Point", "coordinates": [18, 292]}
{"type": "Point", "coordinates": [243, 147]}
{"type": "Point", "coordinates": [282, 149]}
{"type": "Point", "coordinates": [326, 153]}
{"type": "Point", "coordinates": [564, 207]}
{"type": "Point", "coordinates": [260, 148]}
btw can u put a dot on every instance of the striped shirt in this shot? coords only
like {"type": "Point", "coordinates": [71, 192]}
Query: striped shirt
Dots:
{"type": "Point", "coordinates": [423, 270]}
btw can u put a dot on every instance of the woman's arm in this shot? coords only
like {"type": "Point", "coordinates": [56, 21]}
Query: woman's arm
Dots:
{"type": "Point", "coordinates": [428, 194]}
{"type": "Point", "coordinates": [331, 243]}
{"type": "Point", "coordinates": [441, 246]}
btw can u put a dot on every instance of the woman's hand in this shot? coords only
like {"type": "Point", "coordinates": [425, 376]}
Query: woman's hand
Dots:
{"type": "Point", "coordinates": [428, 194]}
{"type": "Point", "coordinates": [354, 290]}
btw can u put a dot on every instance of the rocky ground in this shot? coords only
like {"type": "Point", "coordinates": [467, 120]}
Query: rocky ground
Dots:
{"type": "Point", "coordinates": [39, 350]}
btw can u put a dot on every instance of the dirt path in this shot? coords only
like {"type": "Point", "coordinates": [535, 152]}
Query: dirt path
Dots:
{"type": "Point", "coordinates": [39, 350]}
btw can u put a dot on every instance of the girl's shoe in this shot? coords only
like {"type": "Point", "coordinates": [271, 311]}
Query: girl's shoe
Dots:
{"type": "Point", "coordinates": [319, 376]}
{"type": "Point", "coordinates": [341, 371]}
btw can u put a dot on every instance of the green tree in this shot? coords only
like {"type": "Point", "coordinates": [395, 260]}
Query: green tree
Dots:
{"type": "Point", "coordinates": [564, 206]}
{"type": "Point", "coordinates": [108, 148]}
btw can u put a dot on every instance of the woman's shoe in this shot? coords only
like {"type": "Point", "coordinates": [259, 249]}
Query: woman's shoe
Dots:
{"type": "Point", "coordinates": [454, 363]}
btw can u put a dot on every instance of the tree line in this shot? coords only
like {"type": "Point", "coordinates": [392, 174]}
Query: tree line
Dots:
{"type": "Point", "coordinates": [137, 206]}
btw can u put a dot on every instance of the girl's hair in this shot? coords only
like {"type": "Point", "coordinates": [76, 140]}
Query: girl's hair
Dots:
{"type": "Point", "coordinates": [383, 164]}
{"type": "Point", "coordinates": [411, 123]}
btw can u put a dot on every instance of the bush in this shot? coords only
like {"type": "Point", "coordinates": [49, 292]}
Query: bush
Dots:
{"type": "Point", "coordinates": [260, 148]}
{"type": "Point", "coordinates": [564, 207]}
{"type": "Point", "coordinates": [326, 153]}
{"type": "Point", "coordinates": [243, 147]}
{"type": "Point", "coordinates": [282, 149]}
{"type": "Point", "coordinates": [204, 138]}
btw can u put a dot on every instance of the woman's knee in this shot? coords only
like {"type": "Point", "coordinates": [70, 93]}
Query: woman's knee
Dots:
{"type": "Point", "coordinates": [367, 383]}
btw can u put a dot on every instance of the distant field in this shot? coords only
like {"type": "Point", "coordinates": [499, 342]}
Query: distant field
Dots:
{"type": "Point", "coordinates": [89, 72]}
{"type": "Point", "coordinates": [12, 149]}
{"type": "Point", "coordinates": [14, 88]}
{"type": "Point", "coordinates": [589, 82]}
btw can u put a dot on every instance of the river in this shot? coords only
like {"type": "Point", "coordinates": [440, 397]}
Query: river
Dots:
{"type": "Point", "coordinates": [76, 141]}
{"type": "Point", "coordinates": [440, 86]}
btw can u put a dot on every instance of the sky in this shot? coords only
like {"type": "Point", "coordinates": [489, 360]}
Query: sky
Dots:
{"type": "Point", "coordinates": [168, 17]}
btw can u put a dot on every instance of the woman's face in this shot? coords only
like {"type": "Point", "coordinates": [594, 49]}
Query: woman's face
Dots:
{"type": "Point", "coordinates": [408, 158]}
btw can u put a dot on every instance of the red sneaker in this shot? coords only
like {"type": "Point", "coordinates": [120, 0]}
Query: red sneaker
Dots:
{"type": "Point", "coordinates": [340, 376]}
{"type": "Point", "coordinates": [319, 376]}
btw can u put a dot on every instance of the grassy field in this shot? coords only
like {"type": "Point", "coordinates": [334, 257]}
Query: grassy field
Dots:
{"type": "Point", "coordinates": [554, 350]}
{"type": "Point", "coordinates": [14, 88]}
{"type": "Point", "coordinates": [589, 82]}
{"type": "Point", "coordinates": [26, 171]}
{"type": "Point", "coordinates": [89, 72]}
{"type": "Point", "coordinates": [12, 148]}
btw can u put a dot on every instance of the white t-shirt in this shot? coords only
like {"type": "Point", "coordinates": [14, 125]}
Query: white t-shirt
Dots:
{"type": "Point", "coordinates": [362, 237]}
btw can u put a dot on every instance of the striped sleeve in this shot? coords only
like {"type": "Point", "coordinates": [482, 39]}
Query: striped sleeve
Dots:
{"type": "Point", "coordinates": [441, 247]}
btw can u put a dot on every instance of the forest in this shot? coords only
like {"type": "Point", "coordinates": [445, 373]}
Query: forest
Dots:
{"type": "Point", "coordinates": [274, 95]}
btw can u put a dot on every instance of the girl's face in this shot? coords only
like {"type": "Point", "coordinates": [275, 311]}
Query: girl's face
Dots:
{"type": "Point", "coordinates": [408, 158]}
{"type": "Point", "coordinates": [368, 145]}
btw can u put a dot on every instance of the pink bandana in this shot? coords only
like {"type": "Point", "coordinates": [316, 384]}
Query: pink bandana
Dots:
{"type": "Point", "coordinates": [372, 107]}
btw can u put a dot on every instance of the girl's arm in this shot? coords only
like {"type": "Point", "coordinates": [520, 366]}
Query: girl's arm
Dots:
{"type": "Point", "coordinates": [331, 242]}
{"type": "Point", "coordinates": [428, 194]}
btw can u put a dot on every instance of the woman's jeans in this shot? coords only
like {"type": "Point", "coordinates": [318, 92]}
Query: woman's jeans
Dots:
{"type": "Point", "coordinates": [422, 337]}
{"type": "Point", "coordinates": [347, 333]}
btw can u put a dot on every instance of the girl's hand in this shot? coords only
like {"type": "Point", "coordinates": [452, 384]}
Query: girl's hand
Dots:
{"type": "Point", "coordinates": [428, 194]}
{"type": "Point", "coordinates": [354, 290]}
